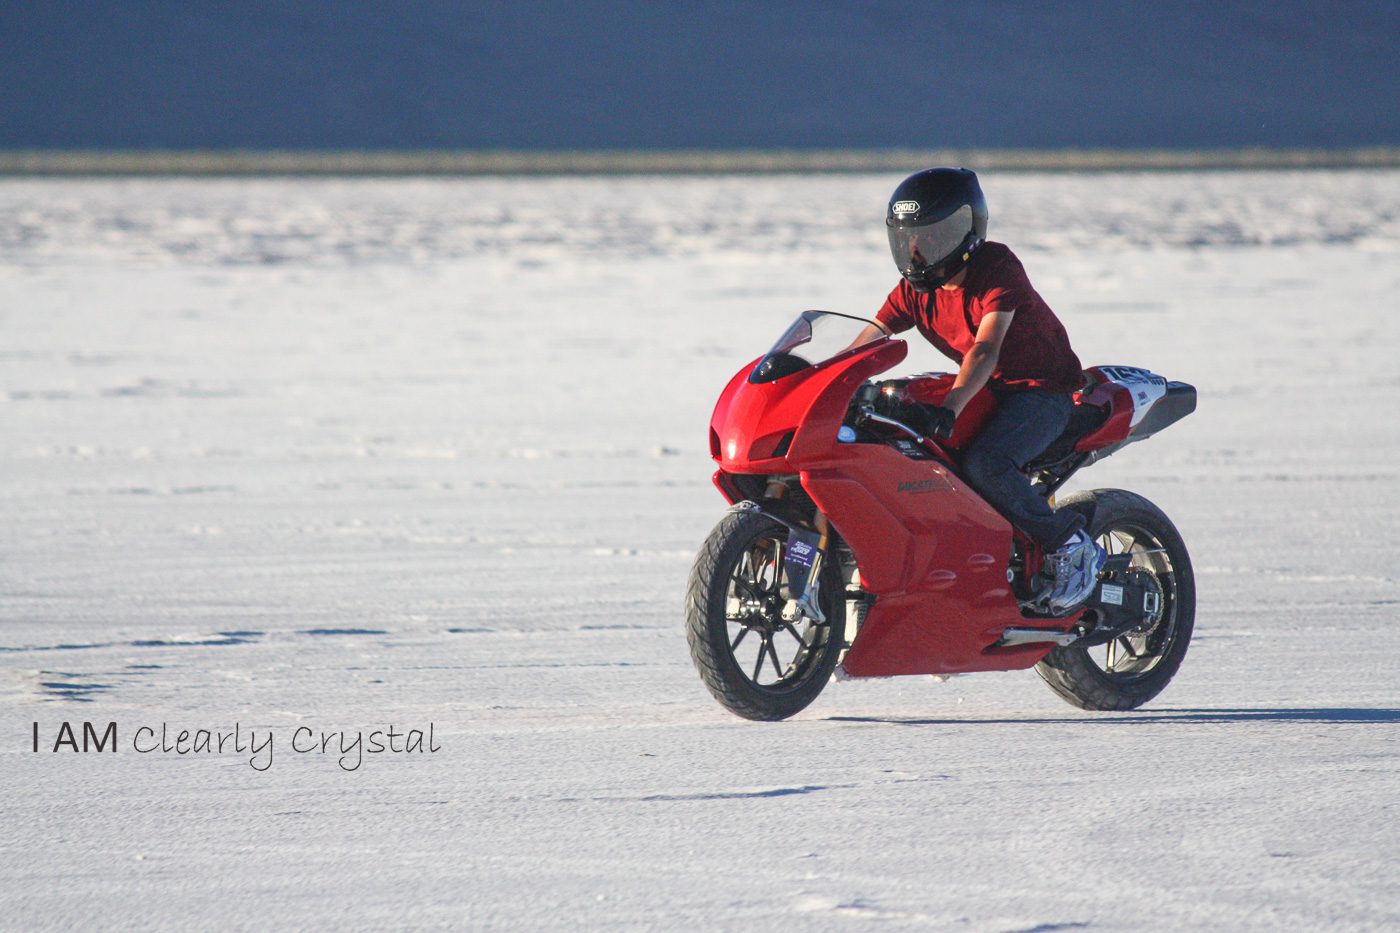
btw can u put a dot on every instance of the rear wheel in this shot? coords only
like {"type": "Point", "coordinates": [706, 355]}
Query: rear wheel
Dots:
{"type": "Point", "coordinates": [1133, 668]}
{"type": "Point", "coordinates": [757, 664]}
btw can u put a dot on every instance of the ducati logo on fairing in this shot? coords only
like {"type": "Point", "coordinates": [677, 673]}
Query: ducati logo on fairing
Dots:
{"type": "Point", "coordinates": [916, 486]}
{"type": "Point", "coordinates": [905, 207]}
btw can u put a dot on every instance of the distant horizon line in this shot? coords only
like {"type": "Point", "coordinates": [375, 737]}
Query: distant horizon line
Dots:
{"type": "Point", "coordinates": [476, 162]}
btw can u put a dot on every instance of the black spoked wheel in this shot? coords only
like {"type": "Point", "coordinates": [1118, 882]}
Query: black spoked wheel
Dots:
{"type": "Point", "coordinates": [1133, 668]}
{"type": "Point", "coordinates": [756, 663]}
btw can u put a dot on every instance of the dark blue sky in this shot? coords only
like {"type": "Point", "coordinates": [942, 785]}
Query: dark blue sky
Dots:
{"type": "Point", "coordinates": [534, 74]}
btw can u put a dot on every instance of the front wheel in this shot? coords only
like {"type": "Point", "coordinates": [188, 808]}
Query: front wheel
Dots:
{"type": "Point", "coordinates": [1133, 668]}
{"type": "Point", "coordinates": [757, 664]}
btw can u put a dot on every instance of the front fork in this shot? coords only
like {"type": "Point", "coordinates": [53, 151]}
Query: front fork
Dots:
{"type": "Point", "coordinates": [806, 603]}
{"type": "Point", "coordinates": [805, 599]}
{"type": "Point", "coordinates": [806, 551]}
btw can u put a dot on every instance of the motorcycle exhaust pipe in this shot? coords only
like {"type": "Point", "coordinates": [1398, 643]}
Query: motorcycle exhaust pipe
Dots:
{"type": "Point", "coordinates": [1035, 636]}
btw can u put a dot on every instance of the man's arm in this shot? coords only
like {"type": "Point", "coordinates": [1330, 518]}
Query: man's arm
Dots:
{"type": "Point", "coordinates": [980, 362]}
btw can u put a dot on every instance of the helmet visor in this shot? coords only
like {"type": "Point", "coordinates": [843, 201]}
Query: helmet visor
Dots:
{"type": "Point", "coordinates": [916, 248]}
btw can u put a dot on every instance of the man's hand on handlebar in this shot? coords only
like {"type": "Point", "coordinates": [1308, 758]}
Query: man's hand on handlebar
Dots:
{"type": "Point", "coordinates": [928, 420]}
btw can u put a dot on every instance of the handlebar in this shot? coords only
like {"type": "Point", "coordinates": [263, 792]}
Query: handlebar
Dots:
{"type": "Point", "coordinates": [868, 413]}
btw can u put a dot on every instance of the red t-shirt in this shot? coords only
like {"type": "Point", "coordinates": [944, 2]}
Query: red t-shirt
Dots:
{"type": "Point", "coordinates": [1035, 353]}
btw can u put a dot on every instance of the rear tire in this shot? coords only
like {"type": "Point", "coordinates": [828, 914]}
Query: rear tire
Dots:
{"type": "Point", "coordinates": [733, 610]}
{"type": "Point", "coordinates": [1135, 668]}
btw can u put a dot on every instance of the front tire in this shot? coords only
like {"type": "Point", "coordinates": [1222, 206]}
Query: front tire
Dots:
{"type": "Point", "coordinates": [757, 665]}
{"type": "Point", "coordinates": [1133, 668]}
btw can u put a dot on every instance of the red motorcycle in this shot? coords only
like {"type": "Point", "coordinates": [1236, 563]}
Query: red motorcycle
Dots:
{"type": "Point", "coordinates": [853, 547]}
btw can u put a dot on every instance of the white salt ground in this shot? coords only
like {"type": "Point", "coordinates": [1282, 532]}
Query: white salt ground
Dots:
{"type": "Point", "coordinates": [336, 455]}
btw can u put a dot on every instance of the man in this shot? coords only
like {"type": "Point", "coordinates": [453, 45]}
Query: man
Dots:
{"type": "Point", "coordinates": [971, 299]}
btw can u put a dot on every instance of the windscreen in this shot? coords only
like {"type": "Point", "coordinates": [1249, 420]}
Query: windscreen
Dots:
{"type": "Point", "coordinates": [812, 339]}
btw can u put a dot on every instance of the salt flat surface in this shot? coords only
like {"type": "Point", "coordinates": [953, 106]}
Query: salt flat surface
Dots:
{"type": "Point", "coordinates": [341, 454]}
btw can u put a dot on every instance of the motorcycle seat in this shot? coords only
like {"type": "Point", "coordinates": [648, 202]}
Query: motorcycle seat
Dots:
{"type": "Point", "coordinates": [1084, 419]}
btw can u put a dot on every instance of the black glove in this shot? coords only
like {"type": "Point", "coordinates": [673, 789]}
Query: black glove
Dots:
{"type": "Point", "coordinates": [928, 420]}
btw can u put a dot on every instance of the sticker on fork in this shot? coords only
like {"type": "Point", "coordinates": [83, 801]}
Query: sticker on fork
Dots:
{"type": "Point", "coordinates": [801, 553]}
{"type": "Point", "coordinates": [802, 549]}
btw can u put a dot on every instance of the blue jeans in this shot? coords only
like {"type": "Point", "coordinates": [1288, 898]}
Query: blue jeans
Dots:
{"type": "Point", "coordinates": [1024, 425]}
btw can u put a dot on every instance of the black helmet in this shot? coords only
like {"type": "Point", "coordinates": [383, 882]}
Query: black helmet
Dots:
{"type": "Point", "coordinates": [937, 219]}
